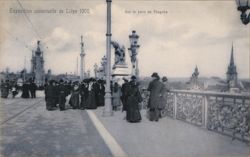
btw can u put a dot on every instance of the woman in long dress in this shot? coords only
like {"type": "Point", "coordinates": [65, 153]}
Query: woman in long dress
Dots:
{"type": "Point", "coordinates": [83, 94]}
{"type": "Point", "coordinates": [91, 101]}
{"type": "Point", "coordinates": [133, 99]}
{"type": "Point", "coordinates": [74, 99]}
{"type": "Point", "coordinates": [25, 90]}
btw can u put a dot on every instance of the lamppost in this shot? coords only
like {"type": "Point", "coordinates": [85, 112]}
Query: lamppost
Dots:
{"type": "Point", "coordinates": [133, 38]}
{"type": "Point", "coordinates": [82, 54]}
{"type": "Point", "coordinates": [243, 6]}
{"type": "Point", "coordinates": [108, 106]}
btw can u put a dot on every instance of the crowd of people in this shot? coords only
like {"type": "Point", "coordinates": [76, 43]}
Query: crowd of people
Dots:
{"type": "Point", "coordinates": [28, 89]}
{"type": "Point", "coordinates": [89, 94]}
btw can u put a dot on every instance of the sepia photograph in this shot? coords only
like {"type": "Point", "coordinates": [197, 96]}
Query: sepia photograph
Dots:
{"type": "Point", "coordinates": [125, 78]}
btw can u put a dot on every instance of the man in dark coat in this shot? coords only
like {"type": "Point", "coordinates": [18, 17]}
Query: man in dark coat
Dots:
{"type": "Point", "coordinates": [62, 95]}
{"type": "Point", "coordinates": [124, 97]}
{"type": "Point", "coordinates": [50, 94]}
{"type": "Point", "coordinates": [5, 87]}
{"type": "Point", "coordinates": [101, 93]}
{"type": "Point", "coordinates": [25, 90]}
{"type": "Point", "coordinates": [155, 88]}
{"type": "Point", "coordinates": [44, 87]}
{"type": "Point", "coordinates": [32, 89]}
{"type": "Point", "coordinates": [56, 93]}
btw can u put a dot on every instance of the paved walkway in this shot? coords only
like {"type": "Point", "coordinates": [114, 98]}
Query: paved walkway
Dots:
{"type": "Point", "coordinates": [35, 132]}
{"type": "Point", "coordinates": [169, 138]}
{"type": "Point", "coordinates": [27, 129]}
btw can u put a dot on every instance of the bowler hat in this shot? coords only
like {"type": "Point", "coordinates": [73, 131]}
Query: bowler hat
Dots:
{"type": "Point", "coordinates": [155, 75]}
{"type": "Point", "coordinates": [133, 77]}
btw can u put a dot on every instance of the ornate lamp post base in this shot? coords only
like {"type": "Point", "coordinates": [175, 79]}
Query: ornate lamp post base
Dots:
{"type": "Point", "coordinates": [108, 110]}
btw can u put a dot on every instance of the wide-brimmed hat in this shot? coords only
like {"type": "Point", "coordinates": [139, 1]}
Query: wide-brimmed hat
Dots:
{"type": "Point", "coordinates": [155, 75]}
{"type": "Point", "coordinates": [164, 79]}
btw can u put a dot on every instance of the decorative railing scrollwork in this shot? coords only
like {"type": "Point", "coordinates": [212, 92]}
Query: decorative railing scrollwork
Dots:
{"type": "Point", "coordinates": [170, 104]}
{"type": "Point", "coordinates": [227, 113]}
{"type": "Point", "coordinates": [189, 108]}
{"type": "Point", "coordinates": [230, 116]}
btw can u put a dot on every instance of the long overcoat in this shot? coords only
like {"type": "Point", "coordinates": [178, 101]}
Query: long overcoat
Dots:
{"type": "Point", "coordinates": [133, 100]}
{"type": "Point", "coordinates": [5, 90]}
{"type": "Point", "coordinates": [155, 88]}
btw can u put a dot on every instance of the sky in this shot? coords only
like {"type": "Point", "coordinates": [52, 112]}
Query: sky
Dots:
{"type": "Point", "coordinates": [186, 34]}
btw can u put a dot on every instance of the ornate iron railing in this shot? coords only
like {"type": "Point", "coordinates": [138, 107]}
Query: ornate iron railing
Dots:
{"type": "Point", "coordinates": [225, 113]}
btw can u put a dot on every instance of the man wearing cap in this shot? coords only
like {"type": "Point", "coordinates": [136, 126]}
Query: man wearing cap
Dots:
{"type": "Point", "coordinates": [155, 88]}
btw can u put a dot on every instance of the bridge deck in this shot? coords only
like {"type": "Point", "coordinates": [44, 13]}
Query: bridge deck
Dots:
{"type": "Point", "coordinates": [27, 129]}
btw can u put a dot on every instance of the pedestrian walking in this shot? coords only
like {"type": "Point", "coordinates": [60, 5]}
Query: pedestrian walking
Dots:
{"type": "Point", "coordinates": [75, 97]}
{"type": "Point", "coordinates": [83, 94]}
{"type": "Point", "coordinates": [32, 89]}
{"type": "Point", "coordinates": [51, 96]}
{"type": "Point", "coordinates": [133, 99]}
{"type": "Point", "coordinates": [56, 93]}
{"type": "Point", "coordinates": [154, 104]}
{"type": "Point", "coordinates": [91, 100]}
{"type": "Point", "coordinates": [62, 95]}
{"type": "Point", "coordinates": [25, 90]}
{"type": "Point", "coordinates": [124, 96]}
{"type": "Point", "coordinates": [101, 93]}
{"type": "Point", "coordinates": [5, 87]}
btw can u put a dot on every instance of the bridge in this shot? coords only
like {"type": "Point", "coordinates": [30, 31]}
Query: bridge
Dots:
{"type": "Point", "coordinates": [197, 124]}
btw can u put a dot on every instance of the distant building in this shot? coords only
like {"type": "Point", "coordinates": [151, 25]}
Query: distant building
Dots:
{"type": "Point", "coordinates": [194, 83]}
{"type": "Point", "coordinates": [232, 75]}
{"type": "Point", "coordinates": [37, 66]}
{"type": "Point", "coordinates": [67, 77]}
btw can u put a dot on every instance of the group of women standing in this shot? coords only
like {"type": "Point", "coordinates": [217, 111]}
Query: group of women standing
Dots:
{"type": "Point", "coordinates": [89, 94]}
{"type": "Point", "coordinates": [131, 98]}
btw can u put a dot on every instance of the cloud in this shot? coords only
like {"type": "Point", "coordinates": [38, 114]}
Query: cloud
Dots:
{"type": "Point", "coordinates": [60, 41]}
{"type": "Point", "coordinates": [191, 33]}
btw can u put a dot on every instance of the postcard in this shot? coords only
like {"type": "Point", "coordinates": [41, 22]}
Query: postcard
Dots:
{"type": "Point", "coordinates": [118, 78]}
